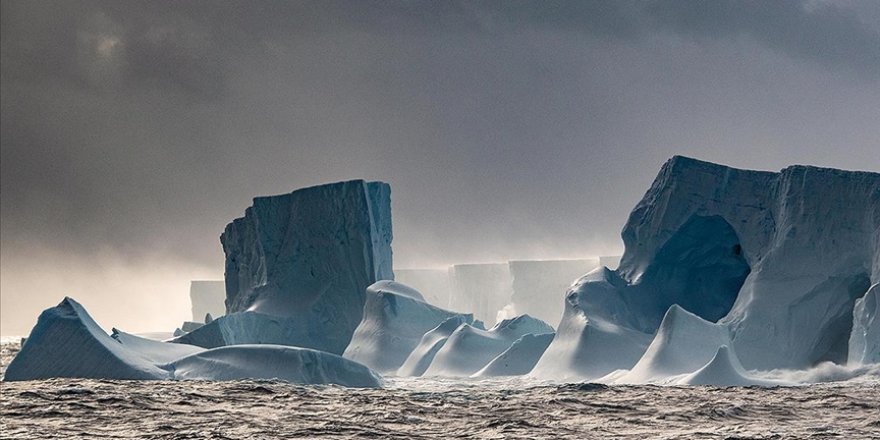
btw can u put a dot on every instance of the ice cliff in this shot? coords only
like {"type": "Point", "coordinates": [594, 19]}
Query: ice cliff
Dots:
{"type": "Point", "coordinates": [307, 257]}
{"type": "Point", "coordinates": [776, 258]}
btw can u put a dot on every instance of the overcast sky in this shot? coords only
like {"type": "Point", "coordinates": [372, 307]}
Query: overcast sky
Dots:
{"type": "Point", "coordinates": [132, 132]}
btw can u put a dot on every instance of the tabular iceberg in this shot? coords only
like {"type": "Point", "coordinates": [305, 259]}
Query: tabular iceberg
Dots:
{"type": "Point", "coordinates": [309, 256]}
{"type": "Point", "coordinates": [469, 349]}
{"type": "Point", "coordinates": [395, 318]}
{"type": "Point", "coordinates": [67, 342]}
{"type": "Point", "coordinates": [778, 259]}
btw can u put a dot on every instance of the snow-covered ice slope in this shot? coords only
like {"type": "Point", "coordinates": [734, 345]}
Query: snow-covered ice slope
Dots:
{"type": "Point", "coordinates": [724, 370]}
{"type": "Point", "coordinates": [519, 358]}
{"type": "Point", "coordinates": [66, 342]}
{"type": "Point", "coordinates": [539, 286]}
{"type": "Point", "coordinates": [157, 352]}
{"type": "Point", "coordinates": [683, 344]}
{"type": "Point", "coordinates": [395, 319]}
{"type": "Point", "coordinates": [864, 342]}
{"type": "Point", "coordinates": [291, 364]}
{"type": "Point", "coordinates": [469, 349]}
{"type": "Point", "coordinates": [433, 284]}
{"type": "Point", "coordinates": [482, 289]}
{"type": "Point", "coordinates": [430, 343]}
{"type": "Point", "coordinates": [207, 296]}
{"type": "Point", "coordinates": [309, 256]}
{"type": "Point", "coordinates": [590, 342]}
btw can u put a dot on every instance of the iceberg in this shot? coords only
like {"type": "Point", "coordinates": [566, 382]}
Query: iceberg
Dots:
{"type": "Point", "coordinates": [67, 342]}
{"type": "Point", "coordinates": [864, 341]}
{"type": "Point", "coordinates": [207, 297]}
{"type": "Point", "coordinates": [539, 286]}
{"type": "Point", "coordinates": [308, 256]}
{"type": "Point", "coordinates": [395, 319]}
{"type": "Point", "coordinates": [788, 253]}
{"type": "Point", "coordinates": [468, 349]}
{"type": "Point", "coordinates": [291, 364]}
{"type": "Point", "coordinates": [430, 343]}
{"type": "Point", "coordinates": [519, 358]}
{"type": "Point", "coordinates": [778, 259]}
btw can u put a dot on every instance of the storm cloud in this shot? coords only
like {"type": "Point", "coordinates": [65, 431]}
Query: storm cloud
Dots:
{"type": "Point", "coordinates": [132, 132]}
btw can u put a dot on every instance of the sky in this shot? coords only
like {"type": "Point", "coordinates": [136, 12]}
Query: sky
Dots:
{"type": "Point", "coordinates": [131, 133]}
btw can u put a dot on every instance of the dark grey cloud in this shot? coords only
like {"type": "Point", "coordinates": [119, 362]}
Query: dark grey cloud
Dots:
{"type": "Point", "coordinates": [132, 132]}
{"type": "Point", "coordinates": [813, 31]}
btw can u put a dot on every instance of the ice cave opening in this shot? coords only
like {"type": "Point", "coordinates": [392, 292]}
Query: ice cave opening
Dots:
{"type": "Point", "coordinates": [702, 267]}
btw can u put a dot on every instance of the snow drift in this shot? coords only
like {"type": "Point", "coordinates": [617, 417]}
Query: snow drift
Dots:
{"type": "Point", "coordinates": [395, 319]}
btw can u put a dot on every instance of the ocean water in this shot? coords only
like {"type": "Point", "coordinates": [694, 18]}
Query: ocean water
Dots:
{"type": "Point", "coordinates": [422, 408]}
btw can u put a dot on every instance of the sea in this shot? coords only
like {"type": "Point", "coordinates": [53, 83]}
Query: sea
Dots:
{"type": "Point", "coordinates": [421, 408]}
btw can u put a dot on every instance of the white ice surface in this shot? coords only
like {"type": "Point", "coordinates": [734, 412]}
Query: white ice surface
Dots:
{"type": "Point", "coordinates": [395, 319]}
{"type": "Point", "coordinates": [429, 344]}
{"type": "Point", "coordinates": [519, 358]}
{"type": "Point", "coordinates": [864, 341]}
{"type": "Point", "coordinates": [291, 364]}
{"type": "Point", "coordinates": [683, 344]}
{"type": "Point", "coordinates": [67, 342]}
{"type": "Point", "coordinates": [469, 349]}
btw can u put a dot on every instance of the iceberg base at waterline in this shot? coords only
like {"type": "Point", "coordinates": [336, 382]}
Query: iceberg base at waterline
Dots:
{"type": "Point", "coordinates": [67, 342]}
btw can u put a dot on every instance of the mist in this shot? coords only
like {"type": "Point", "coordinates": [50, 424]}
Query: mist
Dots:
{"type": "Point", "coordinates": [132, 133]}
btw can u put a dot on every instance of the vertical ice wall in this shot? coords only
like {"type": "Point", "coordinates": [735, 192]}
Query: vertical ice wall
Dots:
{"type": "Point", "coordinates": [309, 256]}
{"type": "Point", "coordinates": [808, 236]}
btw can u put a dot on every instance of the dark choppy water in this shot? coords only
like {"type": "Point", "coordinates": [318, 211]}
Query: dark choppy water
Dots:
{"type": "Point", "coordinates": [71, 408]}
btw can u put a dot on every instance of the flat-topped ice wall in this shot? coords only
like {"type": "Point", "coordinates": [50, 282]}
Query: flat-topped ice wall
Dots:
{"type": "Point", "coordinates": [308, 256]}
